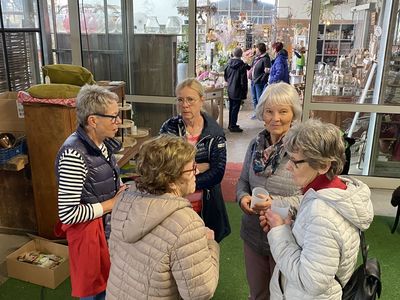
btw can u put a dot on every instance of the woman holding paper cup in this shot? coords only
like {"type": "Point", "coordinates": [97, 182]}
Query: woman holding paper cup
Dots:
{"type": "Point", "coordinates": [264, 166]}
{"type": "Point", "coordinates": [324, 240]}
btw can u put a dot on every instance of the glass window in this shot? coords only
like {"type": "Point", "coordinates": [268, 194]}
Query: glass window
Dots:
{"type": "Point", "coordinates": [21, 54]}
{"type": "Point", "coordinates": [391, 80]}
{"type": "Point", "coordinates": [160, 46]}
{"type": "Point", "coordinates": [102, 40]}
{"type": "Point", "coordinates": [58, 34]}
{"type": "Point", "coordinates": [357, 143]}
{"type": "Point", "coordinates": [386, 148]}
{"type": "Point", "coordinates": [20, 14]}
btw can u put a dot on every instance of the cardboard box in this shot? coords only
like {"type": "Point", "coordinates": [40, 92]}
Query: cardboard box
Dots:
{"type": "Point", "coordinates": [50, 278]}
{"type": "Point", "coordinates": [9, 120]}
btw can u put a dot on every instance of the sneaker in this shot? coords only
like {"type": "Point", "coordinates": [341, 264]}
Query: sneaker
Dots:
{"type": "Point", "coordinates": [235, 129]}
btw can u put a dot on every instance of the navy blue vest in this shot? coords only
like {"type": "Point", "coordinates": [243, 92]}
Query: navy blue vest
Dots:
{"type": "Point", "coordinates": [102, 180]}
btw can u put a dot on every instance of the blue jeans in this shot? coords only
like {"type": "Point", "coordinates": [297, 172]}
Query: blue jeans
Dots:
{"type": "Point", "coordinates": [100, 296]}
{"type": "Point", "coordinates": [256, 91]}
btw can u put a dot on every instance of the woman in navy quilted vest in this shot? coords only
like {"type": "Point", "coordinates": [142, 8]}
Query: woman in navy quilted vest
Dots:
{"type": "Point", "coordinates": [199, 129]}
{"type": "Point", "coordinates": [88, 186]}
{"type": "Point", "coordinates": [323, 241]}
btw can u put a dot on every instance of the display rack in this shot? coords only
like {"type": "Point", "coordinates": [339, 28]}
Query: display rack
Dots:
{"type": "Point", "coordinates": [201, 40]}
{"type": "Point", "coordinates": [333, 41]}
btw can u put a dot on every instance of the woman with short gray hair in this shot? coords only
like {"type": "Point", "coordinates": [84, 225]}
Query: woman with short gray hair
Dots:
{"type": "Point", "coordinates": [88, 186]}
{"type": "Point", "coordinates": [317, 254]}
{"type": "Point", "coordinates": [264, 166]}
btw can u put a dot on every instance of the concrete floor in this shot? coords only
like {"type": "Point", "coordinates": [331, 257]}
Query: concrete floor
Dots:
{"type": "Point", "coordinates": [237, 145]}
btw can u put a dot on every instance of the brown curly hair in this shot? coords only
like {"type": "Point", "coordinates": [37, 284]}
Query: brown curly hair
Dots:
{"type": "Point", "coordinates": [160, 162]}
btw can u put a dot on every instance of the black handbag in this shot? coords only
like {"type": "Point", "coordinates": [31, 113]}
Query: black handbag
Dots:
{"type": "Point", "coordinates": [365, 282]}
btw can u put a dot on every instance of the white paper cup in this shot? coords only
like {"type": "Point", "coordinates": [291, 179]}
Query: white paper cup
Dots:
{"type": "Point", "coordinates": [254, 196]}
{"type": "Point", "coordinates": [280, 208]}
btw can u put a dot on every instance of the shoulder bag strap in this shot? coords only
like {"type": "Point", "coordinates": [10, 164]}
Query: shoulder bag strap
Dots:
{"type": "Point", "coordinates": [364, 252]}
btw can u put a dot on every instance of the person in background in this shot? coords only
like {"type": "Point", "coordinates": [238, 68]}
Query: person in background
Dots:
{"type": "Point", "coordinates": [88, 186]}
{"type": "Point", "coordinates": [201, 130]}
{"type": "Point", "coordinates": [279, 70]}
{"type": "Point", "coordinates": [264, 166]}
{"type": "Point", "coordinates": [235, 75]}
{"type": "Point", "coordinates": [300, 60]}
{"type": "Point", "coordinates": [159, 246]}
{"type": "Point", "coordinates": [258, 74]}
{"type": "Point", "coordinates": [323, 241]}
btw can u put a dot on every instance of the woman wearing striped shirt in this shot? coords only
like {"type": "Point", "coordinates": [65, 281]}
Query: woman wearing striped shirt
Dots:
{"type": "Point", "coordinates": [88, 186]}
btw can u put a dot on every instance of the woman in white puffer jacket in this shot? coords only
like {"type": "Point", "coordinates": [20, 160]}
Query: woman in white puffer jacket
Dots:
{"type": "Point", "coordinates": [324, 239]}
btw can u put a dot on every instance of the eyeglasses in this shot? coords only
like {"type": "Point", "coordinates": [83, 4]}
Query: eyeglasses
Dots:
{"type": "Point", "coordinates": [194, 169]}
{"type": "Point", "coordinates": [188, 100]}
{"type": "Point", "coordinates": [297, 162]}
{"type": "Point", "coordinates": [113, 118]}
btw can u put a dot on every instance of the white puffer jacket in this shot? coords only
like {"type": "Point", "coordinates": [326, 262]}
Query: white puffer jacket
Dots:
{"type": "Point", "coordinates": [324, 241]}
{"type": "Point", "coordinates": [159, 250]}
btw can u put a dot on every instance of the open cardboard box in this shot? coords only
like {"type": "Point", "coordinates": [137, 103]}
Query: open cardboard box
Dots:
{"type": "Point", "coordinates": [50, 278]}
{"type": "Point", "coordinates": [10, 120]}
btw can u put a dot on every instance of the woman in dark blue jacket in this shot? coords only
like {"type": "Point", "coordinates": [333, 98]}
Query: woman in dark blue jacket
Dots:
{"type": "Point", "coordinates": [208, 137]}
{"type": "Point", "coordinates": [279, 70]}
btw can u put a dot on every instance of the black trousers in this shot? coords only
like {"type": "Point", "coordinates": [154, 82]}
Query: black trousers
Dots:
{"type": "Point", "coordinates": [234, 106]}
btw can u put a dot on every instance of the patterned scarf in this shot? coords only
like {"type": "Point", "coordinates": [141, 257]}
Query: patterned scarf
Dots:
{"type": "Point", "coordinates": [267, 157]}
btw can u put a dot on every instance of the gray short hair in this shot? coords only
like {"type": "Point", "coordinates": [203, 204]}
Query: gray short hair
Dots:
{"type": "Point", "coordinates": [279, 93]}
{"type": "Point", "coordinates": [320, 143]}
{"type": "Point", "coordinates": [192, 83]}
{"type": "Point", "coordinates": [92, 99]}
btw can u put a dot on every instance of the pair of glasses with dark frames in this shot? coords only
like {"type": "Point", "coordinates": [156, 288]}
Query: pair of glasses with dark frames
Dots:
{"type": "Point", "coordinates": [113, 118]}
{"type": "Point", "coordinates": [194, 169]}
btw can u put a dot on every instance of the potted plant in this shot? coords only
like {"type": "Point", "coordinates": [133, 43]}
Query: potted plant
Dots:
{"type": "Point", "coordinates": [183, 60]}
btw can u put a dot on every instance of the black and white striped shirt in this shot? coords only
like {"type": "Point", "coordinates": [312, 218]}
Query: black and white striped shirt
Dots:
{"type": "Point", "coordinates": [72, 171]}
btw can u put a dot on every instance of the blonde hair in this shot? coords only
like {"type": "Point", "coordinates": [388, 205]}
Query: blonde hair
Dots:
{"type": "Point", "coordinates": [160, 162]}
{"type": "Point", "coordinates": [319, 143]}
{"type": "Point", "coordinates": [192, 83]}
{"type": "Point", "coordinates": [279, 93]}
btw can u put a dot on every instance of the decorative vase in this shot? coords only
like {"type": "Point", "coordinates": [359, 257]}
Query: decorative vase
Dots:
{"type": "Point", "coordinates": [152, 25]}
{"type": "Point", "coordinates": [173, 25]}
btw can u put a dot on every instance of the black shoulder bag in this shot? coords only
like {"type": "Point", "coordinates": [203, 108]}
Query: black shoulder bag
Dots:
{"type": "Point", "coordinates": [365, 282]}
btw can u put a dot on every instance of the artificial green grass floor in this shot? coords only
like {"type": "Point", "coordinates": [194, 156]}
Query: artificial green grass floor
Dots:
{"type": "Point", "coordinates": [232, 282]}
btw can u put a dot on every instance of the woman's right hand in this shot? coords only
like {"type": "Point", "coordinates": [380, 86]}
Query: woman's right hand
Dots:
{"type": "Point", "coordinates": [245, 202]}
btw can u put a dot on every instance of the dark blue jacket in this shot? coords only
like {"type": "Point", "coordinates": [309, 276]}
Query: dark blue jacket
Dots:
{"type": "Point", "coordinates": [279, 70]}
{"type": "Point", "coordinates": [211, 148]}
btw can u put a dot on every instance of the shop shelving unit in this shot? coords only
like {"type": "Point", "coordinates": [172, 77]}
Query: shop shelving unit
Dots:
{"type": "Point", "coordinates": [334, 40]}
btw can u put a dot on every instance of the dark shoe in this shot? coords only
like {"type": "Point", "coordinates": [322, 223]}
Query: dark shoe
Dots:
{"type": "Point", "coordinates": [235, 129]}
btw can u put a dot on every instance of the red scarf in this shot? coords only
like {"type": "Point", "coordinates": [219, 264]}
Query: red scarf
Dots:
{"type": "Point", "coordinates": [322, 182]}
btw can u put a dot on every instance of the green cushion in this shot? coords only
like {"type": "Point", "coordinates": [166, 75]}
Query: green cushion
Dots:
{"type": "Point", "coordinates": [54, 91]}
{"type": "Point", "coordinates": [68, 74]}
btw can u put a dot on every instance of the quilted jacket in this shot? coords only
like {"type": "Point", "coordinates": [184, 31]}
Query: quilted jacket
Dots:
{"type": "Point", "coordinates": [211, 148]}
{"type": "Point", "coordinates": [279, 70]}
{"type": "Point", "coordinates": [159, 250]}
{"type": "Point", "coordinates": [324, 241]}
